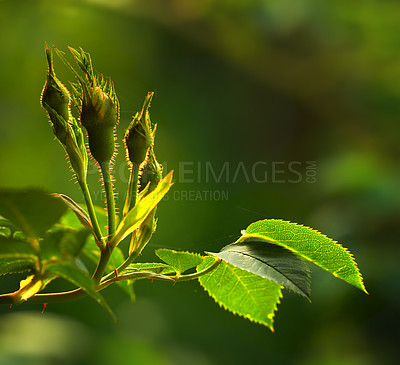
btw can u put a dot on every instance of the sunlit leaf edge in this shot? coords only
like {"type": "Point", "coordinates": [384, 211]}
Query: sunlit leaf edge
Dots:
{"type": "Point", "coordinates": [248, 317]}
{"type": "Point", "coordinates": [360, 278]}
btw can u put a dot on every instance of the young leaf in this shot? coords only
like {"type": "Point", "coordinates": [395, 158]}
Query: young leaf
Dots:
{"type": "Point", "coordinates": [76, 276]}
{"type": "Point", "coordinates": [33, 211]}
{"type": "Point", "coordinates": [179, 261]}
{"type": "Point", "coordinates": [242, 292]}
{"type": "Point", "coordinates": [136, 275]}
{"type": "Point", "coordinates": [156, 268]}
{"type": "Point", "coordinates": [79, 212]}
{"type": "Point", "coordinates": [140, 211]}
{"type": "Point", "coordinates": [310, 245]}
{"type": "Point", "coordinates": [70, 219]}
{"type": "Point", "coordinates": [269, 261]}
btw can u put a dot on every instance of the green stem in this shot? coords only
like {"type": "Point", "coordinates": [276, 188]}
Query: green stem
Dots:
{"type": "Point", "coordinates": [105, 255]}
{"type": "Point", "coordinates": [123, 266]}
{"type": "Point", "coordinates": [90, 208]}
{"type": "Point", "coordinates": [78, 293]}
{"type": "Point", "coordinates": [108, 186]}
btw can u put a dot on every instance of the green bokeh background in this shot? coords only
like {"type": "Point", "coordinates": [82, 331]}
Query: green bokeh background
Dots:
{"type": "Point", "coordinates": [236, 83]}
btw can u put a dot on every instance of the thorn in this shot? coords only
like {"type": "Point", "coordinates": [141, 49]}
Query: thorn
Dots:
{"type": "Point", "coordinates": [44, 307]}
{"type": "Point", "coordinates": [10, 305]}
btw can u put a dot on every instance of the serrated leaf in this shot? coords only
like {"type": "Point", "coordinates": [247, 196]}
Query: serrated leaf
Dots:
{"type": "Point", "coordinates": [270, 261]}
{"type": "Point", "coordinates": [311, 245]}
{"type": "Point", "coordinates": [242, 292]}
{"type": "Point", "coordinates": [62, 243]}
{"type": "Point", "coordinates": [141, 210]}
{"type": "Point", "coordinates": [15, 265]}
{"type": "Point", "coordinates": [76, 276]}
{"type": "Point", "coordinates": [180, 261]}
{"type": "Point", "coordinates": [33, 211]}
{"type": "Point", "coordinates": [16, 248]}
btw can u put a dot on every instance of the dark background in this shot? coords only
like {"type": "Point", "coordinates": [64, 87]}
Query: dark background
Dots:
{"type": "Point", "coordinates": [315, 84]}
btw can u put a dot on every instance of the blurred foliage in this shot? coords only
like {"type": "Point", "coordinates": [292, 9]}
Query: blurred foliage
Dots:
{"type": "Point", "coordinates": [234, 81]}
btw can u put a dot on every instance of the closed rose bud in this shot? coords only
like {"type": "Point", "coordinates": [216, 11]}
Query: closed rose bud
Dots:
{"type": "Point", "coordinates": [138, 137]}
{"type": "Point", "coordinates": [56, 100]}
{"type": "Point", "coordinates": [100, 114]}
{"type": "Point", "coordinates": [99, 107]}
{"type": "Point", "coordinates": [151, 173]}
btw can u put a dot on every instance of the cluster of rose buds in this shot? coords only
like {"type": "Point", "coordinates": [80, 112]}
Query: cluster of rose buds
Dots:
{"type": "Point", "coordinates": [98, 108]}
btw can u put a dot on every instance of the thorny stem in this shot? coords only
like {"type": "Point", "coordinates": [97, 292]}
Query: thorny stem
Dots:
{"type": "Point", "coordinates": [131, 201]}
{"type": "Point", "coordinates": [123, 266]}
{"type": "Point", "coordinates": [90, 208]}
{"type": "Point", "coordinates": [107, 250]}
{"type": "Point", "coordinates": [108, 186]}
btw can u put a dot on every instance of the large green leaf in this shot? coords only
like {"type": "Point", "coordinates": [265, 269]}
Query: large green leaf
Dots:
{"type": "Point", "coordinates": [33, 211]}
{"type": "Point", "coordinates": [15, 265]}
{"type": "Point", "coordinates": [269, 261]}
{"type": "Point", "coordinates": [140, 211]}
{"type": "Point", "coordinates": [16, 248]}
{"type": "Point", "coordinates": [310, 245]}
{"type": "Point", "coordinates": [76, 276]}
{"type": "Point", "coordinates": [242, 292]}
{"type": "Point", "coordinates": [16, 256]}
{"type": "Point", "coordinates": [178, 260]}
{"type": "Point", "coordinates": [61, 243]}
